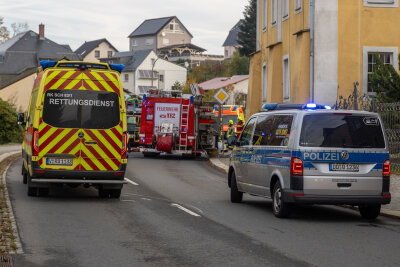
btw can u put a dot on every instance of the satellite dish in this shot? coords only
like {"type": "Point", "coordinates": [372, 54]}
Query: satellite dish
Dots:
{"type": "Point", "coordinates": [163, 33]}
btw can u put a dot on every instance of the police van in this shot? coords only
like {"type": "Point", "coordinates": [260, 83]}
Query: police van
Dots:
{"type": "Point", "coordinates": [313, 157]}
{"type": "Point", "coordinates": [75, 128]}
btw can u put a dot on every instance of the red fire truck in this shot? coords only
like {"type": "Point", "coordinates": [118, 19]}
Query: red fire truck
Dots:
{"type": "Point", "coordinates": [174, 124]}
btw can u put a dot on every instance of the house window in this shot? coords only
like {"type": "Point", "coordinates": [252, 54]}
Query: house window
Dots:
{"type": "Point", "coordinates": [386, 58]}
{"type": "Point", "coordinates": [264, 14]}
{"type": "Point", "coordinates": [285, 10]}
{"type": "Point", "coordinates": [274, 11]}
{"type": "Point", "coordinates": [381, 3]}
{"type": "Point", "coordinates": [96, 53]}
{"type": "Point", "coordinates": [171, 27]}
{"type": "Point", "coordinates": [149, 41]}
{"type": "Point", "coordinates": [226, 53]}
{"type": "Point", "coordinates": [286, 78]}
{"type": "Point", "coordinates": [126, 77]}
{"type": "Point", "coordinates": [298, 5]}
{"type": "Point", "coordinates": [109, 53]}
{"type": "Point", "coordinates": [161, 78]}
{"type": "Point", "coordinates": [134, 43]}
{"type": "Point", "coordinates": [264, 83]}
{"type": "Point", "coordinates": [388, 55]}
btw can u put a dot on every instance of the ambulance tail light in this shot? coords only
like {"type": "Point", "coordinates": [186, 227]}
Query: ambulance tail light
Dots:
{"type": "Point", "coordinates": [35, 142]}
{"type": "Point", "coordinates": [386, 169]}
{"type": "Point", "coordinates": [296, 167]}
{"type": "Point", "coordinates": [124, 145]}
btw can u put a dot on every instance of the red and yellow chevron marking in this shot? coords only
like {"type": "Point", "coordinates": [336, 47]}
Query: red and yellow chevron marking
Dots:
{"type": "Point", "coordinates": [106, 154]}
{"type": "Point", "coordinates": [103, 156]}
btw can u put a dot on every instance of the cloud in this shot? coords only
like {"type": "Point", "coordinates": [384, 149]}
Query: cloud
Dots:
{"type": "Point", "coordinates": [75, 21]}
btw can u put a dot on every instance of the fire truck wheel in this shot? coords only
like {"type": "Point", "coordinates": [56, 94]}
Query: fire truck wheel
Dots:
{"type": "Point", "coordinates": [150, 154]}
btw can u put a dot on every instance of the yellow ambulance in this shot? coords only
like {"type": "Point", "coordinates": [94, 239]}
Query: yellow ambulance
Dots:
{"type": "Point", "coordinates": [76, 130]}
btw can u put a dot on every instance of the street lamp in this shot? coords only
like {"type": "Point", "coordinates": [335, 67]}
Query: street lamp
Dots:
{"type": "Point", "coordinates": [152, 68]}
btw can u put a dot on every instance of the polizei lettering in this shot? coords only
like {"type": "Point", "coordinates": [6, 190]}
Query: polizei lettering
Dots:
{"type": "Point", "coordinates": [321, 156]}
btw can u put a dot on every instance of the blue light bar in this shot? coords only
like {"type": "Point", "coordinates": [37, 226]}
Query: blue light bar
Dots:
{"type": "Point", "coordinates": [47, 64]}
{"type": "Point", "coordinates": [144, 98]}
{"type": "Point", "coordinates": [191, 99]}
{"type": "Point", "coordinates": [311, 105]}
{"type": "Point", "coordinates": [117, 67]}
{"type": "Point", "coordinates": [327, 107]}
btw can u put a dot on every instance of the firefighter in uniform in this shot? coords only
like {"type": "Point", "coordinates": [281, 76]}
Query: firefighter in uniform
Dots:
{"type": "Point", "coordinates": [239, 127]}
{"type": "Point", "coordinates": [230, 134]}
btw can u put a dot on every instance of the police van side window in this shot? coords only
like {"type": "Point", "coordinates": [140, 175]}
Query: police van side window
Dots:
{"type": "Point", "coordinates": [247, 131]}
{"type": "Point", "coordinates": [273, 130]}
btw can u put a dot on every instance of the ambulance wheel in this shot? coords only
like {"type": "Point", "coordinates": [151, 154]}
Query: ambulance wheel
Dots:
{"type": "Point", "coordinates": [43, 192]}
{"type": "Point", "coordinates": [236, 196]}
{"type": "Point", "coordinates": [32, 191]}
{"type": "Point", "coordinates": [115, 193]}
{"type": "Point", "coordinates": [24, 175]}
{"type": "Point", "coordinates": [280, 208]}
{"type": "Point", "coordinates": [370, 212]}
{"type": "Point", "coordinates": [103, 193]}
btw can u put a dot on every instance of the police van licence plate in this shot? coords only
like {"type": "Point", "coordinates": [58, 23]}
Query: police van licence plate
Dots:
{"type": "Point", "coordinates": [345, 167]}
{"type": "Point", "coordinates": [64, 162]}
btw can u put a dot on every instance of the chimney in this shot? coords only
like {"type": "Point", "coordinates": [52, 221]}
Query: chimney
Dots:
{"type": "Point", "coordinates": [41, 31]}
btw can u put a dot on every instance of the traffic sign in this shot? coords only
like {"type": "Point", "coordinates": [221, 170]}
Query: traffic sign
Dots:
{"type": "Point", "coordinates": [221, 96]}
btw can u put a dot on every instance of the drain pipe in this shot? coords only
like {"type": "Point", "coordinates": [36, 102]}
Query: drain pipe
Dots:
{"type": "Point", "coordinates": [311, 22]}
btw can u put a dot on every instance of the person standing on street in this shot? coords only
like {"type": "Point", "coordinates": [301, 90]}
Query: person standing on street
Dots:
{"type": "Point", "coordinates": [230, 134]}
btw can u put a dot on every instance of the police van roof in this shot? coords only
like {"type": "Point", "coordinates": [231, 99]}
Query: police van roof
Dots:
{"type": "Point", "coordinates": [318, 111]}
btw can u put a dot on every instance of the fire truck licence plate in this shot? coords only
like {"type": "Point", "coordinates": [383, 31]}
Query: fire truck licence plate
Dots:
{"type": "Point", "coordinates": [65, 162]}
{"type": "Point", "coordinates": [346, 167]}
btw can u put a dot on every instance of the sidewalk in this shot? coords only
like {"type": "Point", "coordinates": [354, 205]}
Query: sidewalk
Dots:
{"type": "Point", "coordinates": [391, 210]}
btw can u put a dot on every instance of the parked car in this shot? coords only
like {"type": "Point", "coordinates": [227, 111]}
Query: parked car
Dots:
{"type": "Point", "coordinates": [313, 157]}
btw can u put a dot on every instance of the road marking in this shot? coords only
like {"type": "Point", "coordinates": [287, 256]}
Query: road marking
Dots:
{"type": "Point", "coordinates": [185, 209]}
{"type": "Point", "coordinates": [131, 182]}
{"type": "Point", "coordinates": [148, 199]}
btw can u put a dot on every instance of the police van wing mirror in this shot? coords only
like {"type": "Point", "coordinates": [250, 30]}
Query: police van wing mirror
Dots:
{"type": "Point", "coordinates": [21, 119]}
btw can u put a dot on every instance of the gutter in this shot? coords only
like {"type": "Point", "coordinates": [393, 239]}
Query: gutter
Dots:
{"type": "Point", "coordinates": [311, 22]}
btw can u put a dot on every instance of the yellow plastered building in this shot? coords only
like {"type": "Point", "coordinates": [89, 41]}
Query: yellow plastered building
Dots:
{"type": "Point", "coordinates": [315, 50]}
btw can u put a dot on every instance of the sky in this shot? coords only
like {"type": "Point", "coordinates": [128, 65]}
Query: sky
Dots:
{"type": "Point", "coordinates": [75, 21]}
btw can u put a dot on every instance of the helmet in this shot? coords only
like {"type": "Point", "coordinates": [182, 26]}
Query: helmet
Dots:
{"type": "Point", "coordinates": [240, 119]}
{"type": "Point", "coordinates": [230, 121]}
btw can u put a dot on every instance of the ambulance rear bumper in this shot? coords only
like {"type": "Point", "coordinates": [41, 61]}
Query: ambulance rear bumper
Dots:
{"type": "Point", "coordinates": [64, 176]}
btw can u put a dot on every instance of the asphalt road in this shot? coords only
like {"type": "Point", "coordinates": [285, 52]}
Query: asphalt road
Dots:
{"type": "Point", "coordinates": [179, 214]}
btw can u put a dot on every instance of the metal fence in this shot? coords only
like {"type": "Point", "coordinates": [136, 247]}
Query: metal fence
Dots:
{"type": "Point", "coordinates": [390, 114]}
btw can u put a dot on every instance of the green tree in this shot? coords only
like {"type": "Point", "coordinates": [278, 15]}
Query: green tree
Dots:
{"type": "Point", "coordinates": [10, 132]}
{"type": "Point", "coordinates": [385, 81]}
{"type": "Point", "coordinates": [4, 32]}
{"type": "Point", "coordinates": [238, 65]}
{"type": "Point", "coordinates": [247, 29]}
{"type": "Point", "coordinates": [177, 86]}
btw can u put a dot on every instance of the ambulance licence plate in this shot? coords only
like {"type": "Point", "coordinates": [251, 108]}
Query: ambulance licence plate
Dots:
{"type": "Point", "coordinates": [344, 167]}
{"type": "Point", "coordinates": [64, 162]}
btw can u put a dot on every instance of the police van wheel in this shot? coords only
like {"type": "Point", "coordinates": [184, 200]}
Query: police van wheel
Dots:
{"type": "Point", "coordinates": [370, 212]}
{"type": "Point", "coordinates": [236, 195]}
{"type": "Point", "coordinates": [280, 208]}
